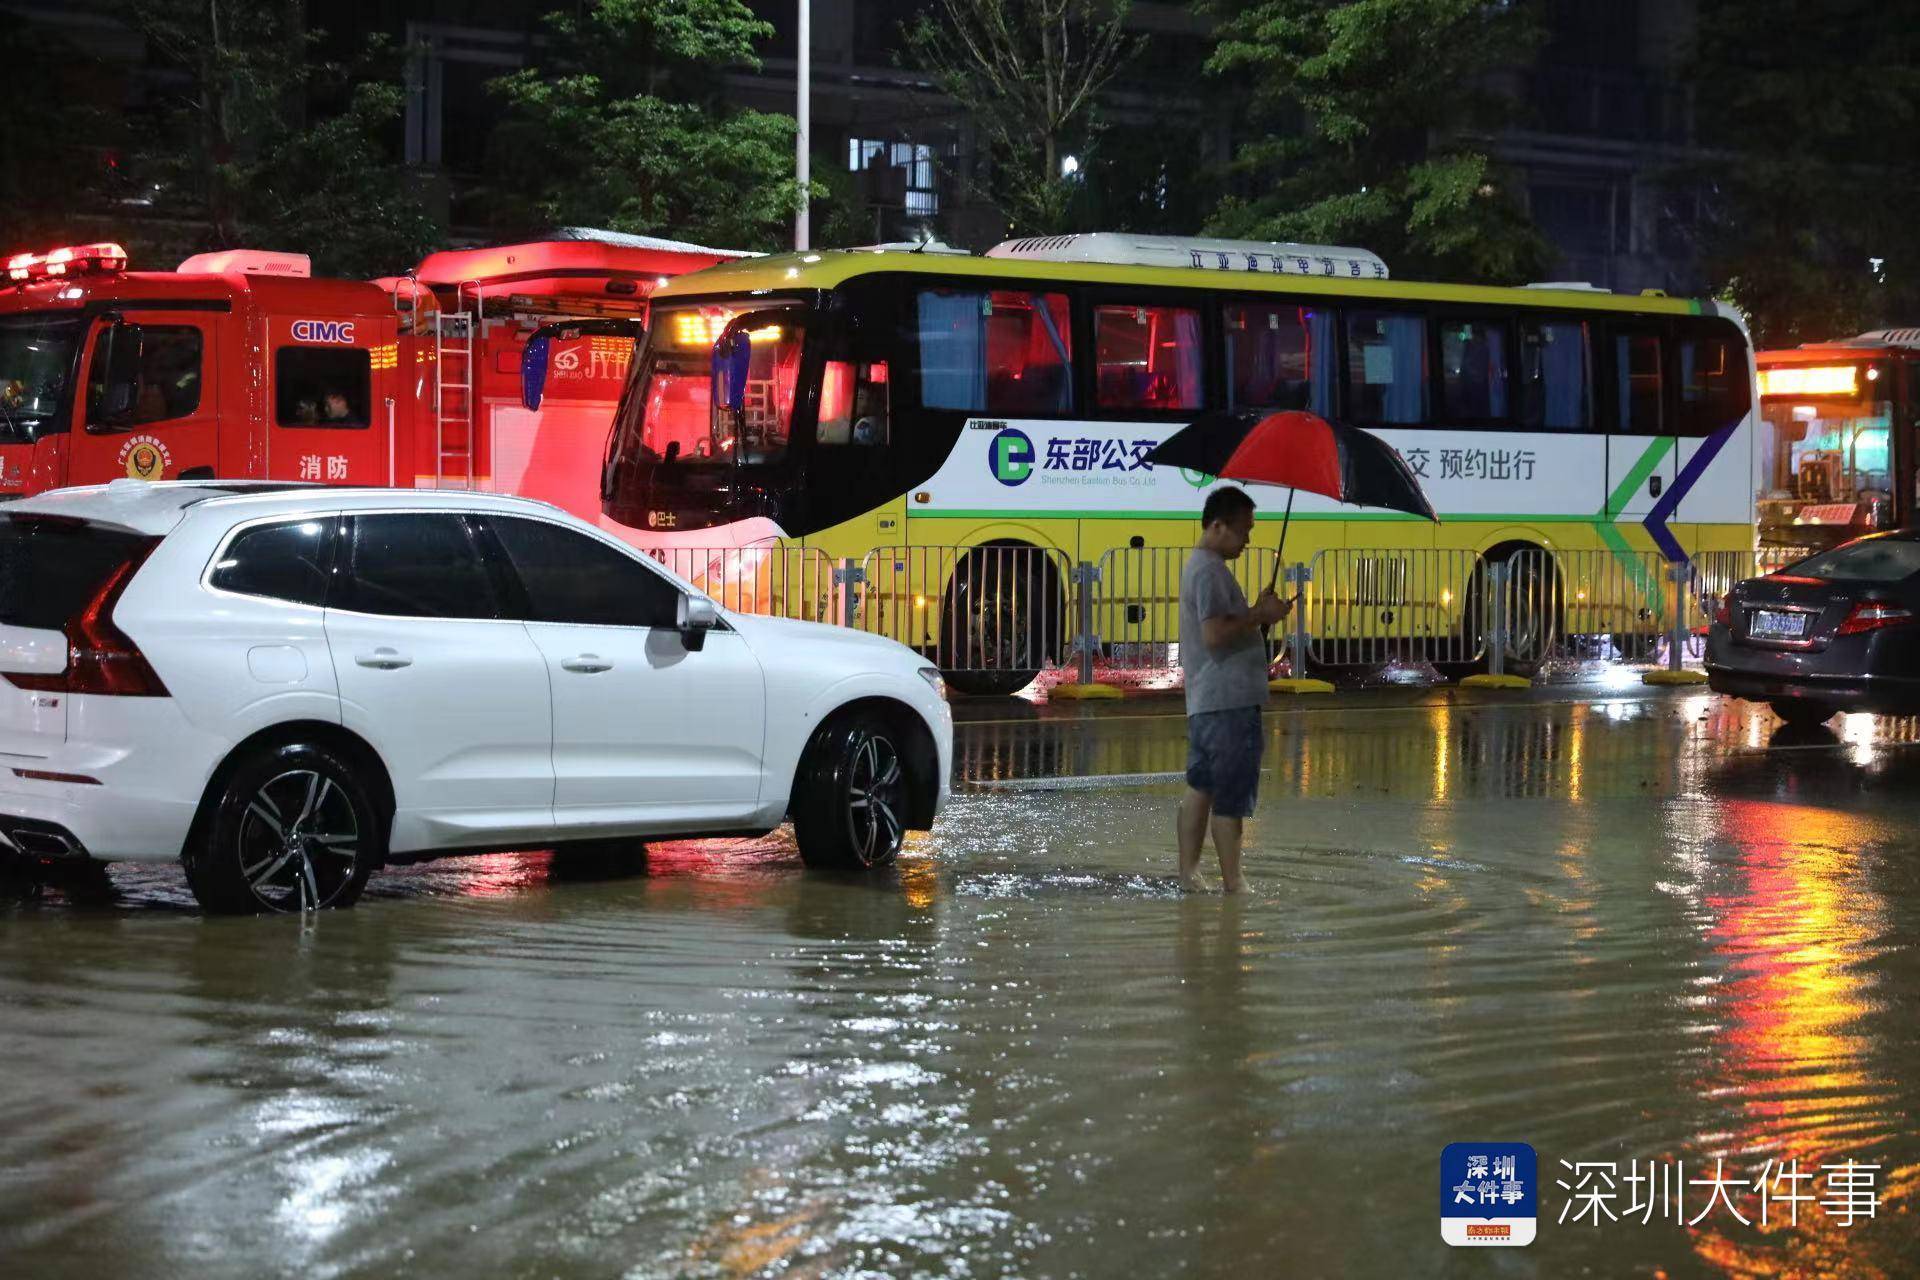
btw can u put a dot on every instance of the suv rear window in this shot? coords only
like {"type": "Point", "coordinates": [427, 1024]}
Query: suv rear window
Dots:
{"type": "Point", "coordinates": [51, 565]}
{"type": "Point", "coordinates": [284, 561]}
{"type": "Point", "coordinates": [1870, 560]}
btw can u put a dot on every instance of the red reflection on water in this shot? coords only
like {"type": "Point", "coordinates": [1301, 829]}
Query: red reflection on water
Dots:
{"type": "Point", "coordinates": [1792, 928]}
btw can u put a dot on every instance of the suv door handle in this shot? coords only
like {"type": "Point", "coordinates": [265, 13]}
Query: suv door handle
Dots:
{"type": "Point", "coordinates": [383, 659]}
{"type": "Point", "coordinates": [586, 664]}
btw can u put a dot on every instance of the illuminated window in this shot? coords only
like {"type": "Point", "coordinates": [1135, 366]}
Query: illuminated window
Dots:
{"type": "Point", "coordinates": [1147, 358]}
{"type": "Point", "coordinates": [1281, 356]}
{"type": "Point", "coordinates": [1005, 351]}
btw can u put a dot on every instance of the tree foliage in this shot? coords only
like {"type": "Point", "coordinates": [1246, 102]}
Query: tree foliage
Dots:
{"type": "Point", "coordinates": [1028, 72]}
{"type": "Point", "coordinates": [624, 127]}
{"type": "Point", "coordinates": [1808, 114]}
{"type": "Point", "coordinates": [1366, 120]}
{"type": "Point", "coordinates": [265, 143]}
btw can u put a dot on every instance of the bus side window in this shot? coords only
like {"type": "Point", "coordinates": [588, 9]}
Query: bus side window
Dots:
{"type": "Point", "coordinates": [1714, 391]}
{"type": "Point", "coordinates": [1386, 367]}
{"type": "Point", "coordinates": [1004, 351]}
{"type": "Point", "coordinates": [853, 403]}
{"type": "Point", "coordinates": [1556, 379]}
{"type": "Point", "coordinates": [1147, 358]}
{"type": "Point", "coordinates": [1639, 378]}
{"type": "Point", "coordinates": [1473, 370]}
{"type": "Point", "coordinates": [1281, 356]}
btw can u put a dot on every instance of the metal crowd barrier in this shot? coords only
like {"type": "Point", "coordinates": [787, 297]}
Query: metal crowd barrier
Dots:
{"type": "Point", "coordinates": [998, 615]}
{"type": "Point", "coordinates": [1370, 605]}
{"type": "Point", "coordinates": [776, 581]}
{"type": "Point", "coordinates": [1130, 604]}
{"type": "Point", "coordinates": [994, 610]}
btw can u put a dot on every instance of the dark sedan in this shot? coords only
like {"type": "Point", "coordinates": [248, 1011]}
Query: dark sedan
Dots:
{"type": "Point", "coordinates": [1834, 632]}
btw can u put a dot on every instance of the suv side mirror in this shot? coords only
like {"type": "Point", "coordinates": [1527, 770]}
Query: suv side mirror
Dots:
{"type": "Point", "coordinates": [114, 392]}
{"type": "Point", "coordinates": [698, 615]}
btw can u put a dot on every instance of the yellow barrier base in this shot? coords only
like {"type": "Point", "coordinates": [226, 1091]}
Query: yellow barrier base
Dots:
{"type": "Point", "coordinates": [1674, 677]}
{"type": "Point", "coordinates": [1084, 692]}
{"type": "Point", "coordinates": [1301, 685]}
{"type": "Point", "coordinates": [1487, 680]}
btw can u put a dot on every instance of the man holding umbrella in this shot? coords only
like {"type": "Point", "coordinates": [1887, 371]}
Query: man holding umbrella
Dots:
{"type": "Point", "coordinates": [1223, 653]}
{"type": "Point", "coordinates": [1222, 649]}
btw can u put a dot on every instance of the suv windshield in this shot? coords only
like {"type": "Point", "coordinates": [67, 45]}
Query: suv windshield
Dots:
{"type": "Point", "coordinates": [36, 365]}
{"type": "Point", "coordinates": [673, 391]}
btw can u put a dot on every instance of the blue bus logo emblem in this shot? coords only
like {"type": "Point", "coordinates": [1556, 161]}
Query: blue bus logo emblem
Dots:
{"type": "Point", "coordinates": [1010, 455]}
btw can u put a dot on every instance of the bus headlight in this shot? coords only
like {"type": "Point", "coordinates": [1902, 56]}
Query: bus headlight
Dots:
{"type": "Point", "coordinates": [932, 676]}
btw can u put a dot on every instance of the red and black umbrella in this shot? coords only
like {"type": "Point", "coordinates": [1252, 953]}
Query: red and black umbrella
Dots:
{"type": "Point", "coordinates": [1301, 451]}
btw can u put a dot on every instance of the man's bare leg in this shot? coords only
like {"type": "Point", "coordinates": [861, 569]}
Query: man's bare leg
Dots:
{"type": "Point", "coordinates": [1226, 843]}
{"type": "Point", "coordinates": [1191, 829]}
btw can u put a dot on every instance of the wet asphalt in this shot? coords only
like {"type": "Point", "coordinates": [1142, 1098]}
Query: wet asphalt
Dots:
{"type": "Point", "coordinates": [1617, 924]}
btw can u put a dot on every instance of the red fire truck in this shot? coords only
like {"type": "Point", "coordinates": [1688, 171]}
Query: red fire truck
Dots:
{"type": "Point", "coordinates": [241, 364]}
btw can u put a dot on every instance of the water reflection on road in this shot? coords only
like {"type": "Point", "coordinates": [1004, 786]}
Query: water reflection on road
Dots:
{"type": "Point", "coordinates": [1644, 928]}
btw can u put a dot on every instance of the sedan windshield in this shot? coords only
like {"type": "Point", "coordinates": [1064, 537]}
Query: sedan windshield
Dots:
{"type": "Point", "coordinates": [36, 363]}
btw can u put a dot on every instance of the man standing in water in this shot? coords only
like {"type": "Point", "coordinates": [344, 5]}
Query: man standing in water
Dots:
{"type": "Point", "coordinates": [1224, 657]}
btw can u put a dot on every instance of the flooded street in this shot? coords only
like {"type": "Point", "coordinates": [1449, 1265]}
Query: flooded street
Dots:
{"type": "Point", "coordinates": [1651, 927]}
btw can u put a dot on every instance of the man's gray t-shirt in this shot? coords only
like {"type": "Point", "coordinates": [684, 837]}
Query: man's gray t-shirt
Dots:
{"type": "Point", "coordinates": [1234, 675]}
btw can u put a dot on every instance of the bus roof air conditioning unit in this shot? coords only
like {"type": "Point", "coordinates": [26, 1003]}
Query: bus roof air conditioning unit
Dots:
{"type": "Point", "coordinates": [1907, 337]}
{"type": "Point", "coordinates": [251, 262]}
{"type": "Point", "coordinates": [1567, 286]}
{"type": "Point", "coordinates": [1266, 257]}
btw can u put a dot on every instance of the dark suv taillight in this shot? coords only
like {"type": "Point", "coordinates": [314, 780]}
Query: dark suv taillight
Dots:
{"type": "Point", "coordinates": [1868, 615]}
{"type": "Point", "coordinates": [101, 659]}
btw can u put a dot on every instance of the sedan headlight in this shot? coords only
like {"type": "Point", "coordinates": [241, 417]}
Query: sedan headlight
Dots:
{"type": "Point", "coordinates": [932, 676]}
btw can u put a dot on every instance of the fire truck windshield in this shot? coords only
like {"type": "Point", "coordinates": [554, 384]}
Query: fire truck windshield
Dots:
{"type": "Point", "coordinates": [36, 372]}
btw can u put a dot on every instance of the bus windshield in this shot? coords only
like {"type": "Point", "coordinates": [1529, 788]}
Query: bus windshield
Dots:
{"type": "Point", "coordinates": [36, 365]}
{"type": "Point", "coordinates": [673, 396]}
{"type": "Point", "coordinates": [1826, 468]}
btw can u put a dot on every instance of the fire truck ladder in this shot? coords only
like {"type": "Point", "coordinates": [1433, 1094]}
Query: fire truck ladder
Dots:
{"type": "Point", "coordinates": [453, 403]}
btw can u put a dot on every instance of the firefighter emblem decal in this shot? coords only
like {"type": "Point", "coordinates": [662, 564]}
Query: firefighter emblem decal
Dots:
{"type": "Point", "coordinates": [145, 458]}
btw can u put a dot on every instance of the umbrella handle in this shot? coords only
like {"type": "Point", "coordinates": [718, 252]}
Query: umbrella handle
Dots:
{"type": "Point", "coordinates": [1280, 554]}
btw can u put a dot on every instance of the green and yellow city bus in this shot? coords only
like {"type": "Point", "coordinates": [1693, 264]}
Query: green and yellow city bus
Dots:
{"type": "Point", "coordinates": [845, 401]}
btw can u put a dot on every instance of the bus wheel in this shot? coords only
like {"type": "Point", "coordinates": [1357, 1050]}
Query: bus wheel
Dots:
{"type": "Point", "coordinates": [1535, 618]}
{"type": "Point", "coordinates": [1000, 621]}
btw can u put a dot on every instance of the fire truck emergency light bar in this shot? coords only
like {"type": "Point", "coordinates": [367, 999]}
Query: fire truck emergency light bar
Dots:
{"type": "Point", "coordinates": [71, 260]}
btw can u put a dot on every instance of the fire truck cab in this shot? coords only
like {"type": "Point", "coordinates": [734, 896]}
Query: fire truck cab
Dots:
{"type": "Point", "coordinates": [242, 364]}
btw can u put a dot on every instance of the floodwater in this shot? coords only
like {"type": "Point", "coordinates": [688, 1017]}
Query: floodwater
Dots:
{"type": "Point", "coordinates": [1642, 928]}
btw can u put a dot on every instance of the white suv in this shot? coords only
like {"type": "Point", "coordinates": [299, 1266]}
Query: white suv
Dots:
{"type": "Point", "coordinates": [286, 687]}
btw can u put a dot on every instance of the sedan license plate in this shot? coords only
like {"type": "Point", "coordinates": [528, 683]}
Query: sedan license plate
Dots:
{"type": "Point", "coordinates": [1778, 626]}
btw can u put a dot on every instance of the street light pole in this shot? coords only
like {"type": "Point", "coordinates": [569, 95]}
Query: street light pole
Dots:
{"type": "Point", "coordinates": [802, 155]}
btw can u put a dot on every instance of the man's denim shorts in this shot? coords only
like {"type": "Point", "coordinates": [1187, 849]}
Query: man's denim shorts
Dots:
{"type": "Point", "coordinates": [1223, 758]}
